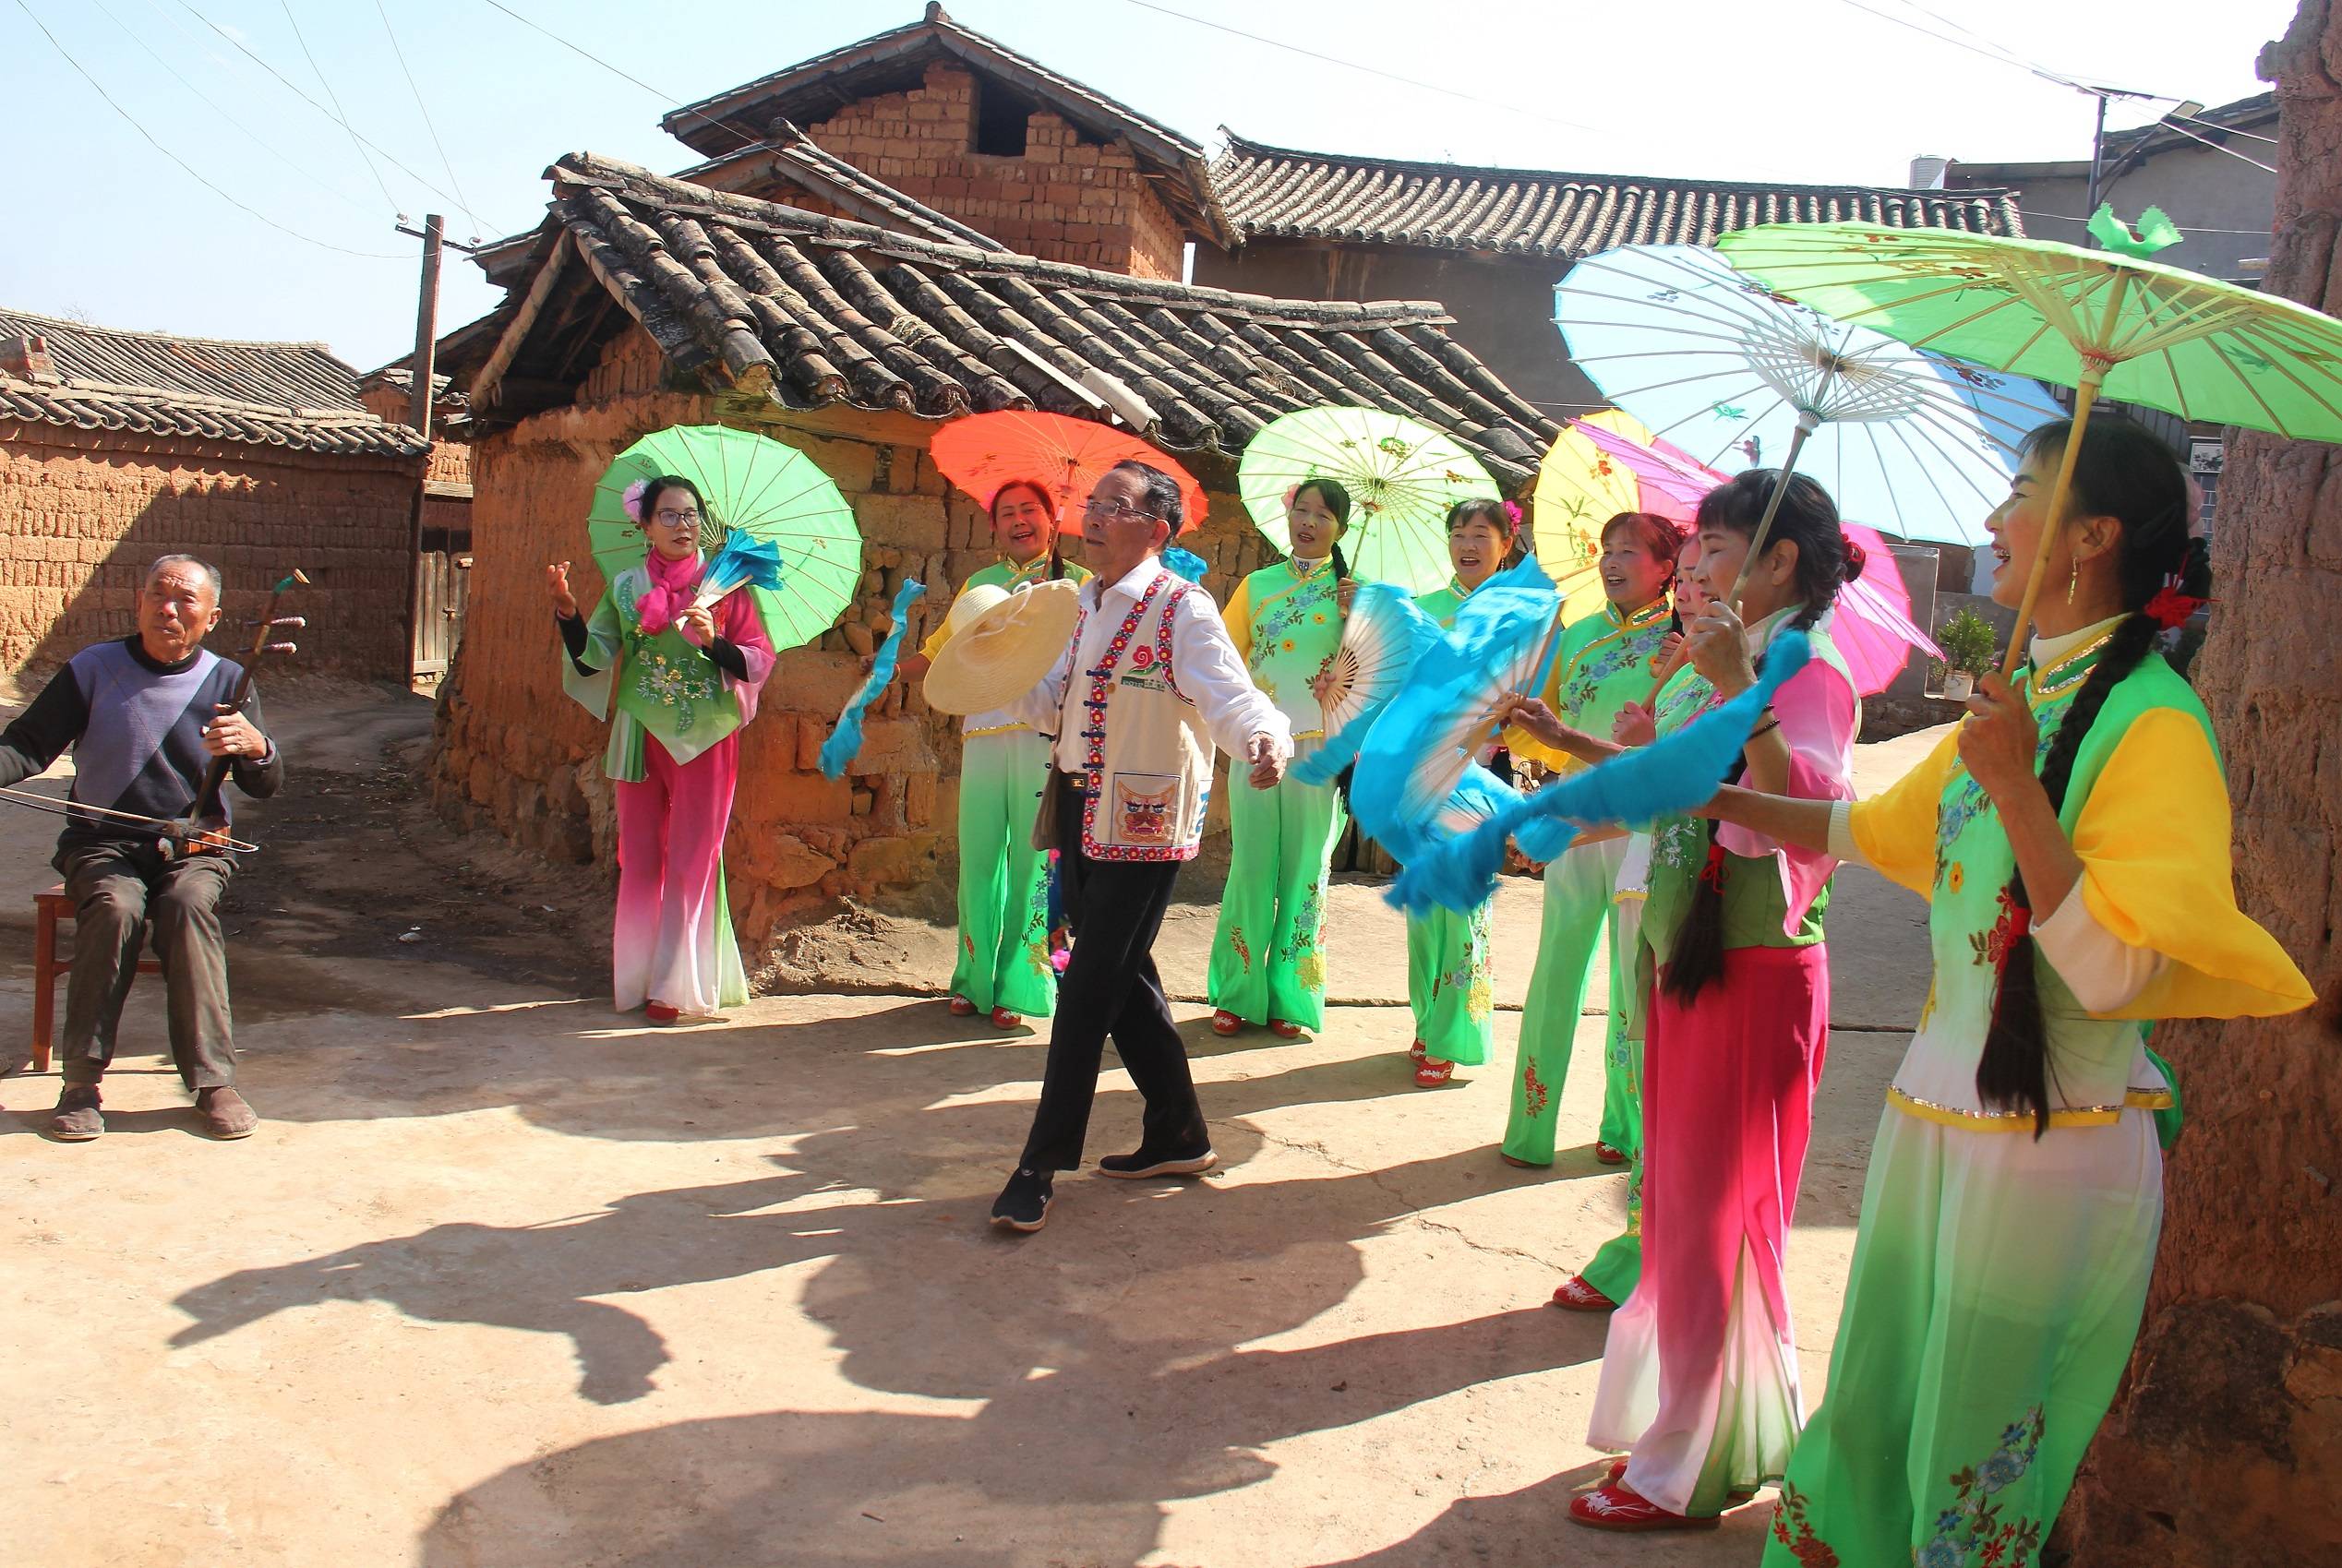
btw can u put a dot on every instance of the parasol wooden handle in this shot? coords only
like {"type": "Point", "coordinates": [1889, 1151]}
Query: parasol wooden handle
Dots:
{"type": "Point", "coordinates": [2085, 395]}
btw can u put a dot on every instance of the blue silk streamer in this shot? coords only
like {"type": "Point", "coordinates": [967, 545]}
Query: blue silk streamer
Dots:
{"type": "Point", "coordinates": [838, 751]}
{"type": "Point", "coordinates": [1186, 563]}
{"type": "Point", "coordinates": [1674, 774]}
{"type": "Point", "coordinates": [743, 559]}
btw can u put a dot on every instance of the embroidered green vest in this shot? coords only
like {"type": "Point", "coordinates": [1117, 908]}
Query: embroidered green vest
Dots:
{"type": "Point", "coordinates": [2097, 1066]}
{"type": "Point", "coordinates": [662, 686]}
{"type": "Point", "coordinates": [1296, 626]}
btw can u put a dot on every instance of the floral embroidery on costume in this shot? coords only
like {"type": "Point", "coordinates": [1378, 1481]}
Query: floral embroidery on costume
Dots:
{"type": "Point", "coordinates": [1244, 951]}
{"type": "Point", "coordinates": [1992, 947]}
{"type": "Point", "coordinates": [1971, 1533]}
{"type": "Point", "coordinates": [1302, 952]}
{"type": "Point", "coordinates": [1790, 1528]}
{"type": "Point", "coordinates": [1533, 1091]}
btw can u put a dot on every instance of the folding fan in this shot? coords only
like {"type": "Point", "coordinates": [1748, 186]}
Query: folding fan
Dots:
{"type": "Point", "coordinates": [1383, 634]}
{"type": "Point", "coordinates": [1416, 753]}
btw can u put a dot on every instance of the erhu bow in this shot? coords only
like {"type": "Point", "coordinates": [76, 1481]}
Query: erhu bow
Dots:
{"type": "Point", "coordinates": [204, 830]}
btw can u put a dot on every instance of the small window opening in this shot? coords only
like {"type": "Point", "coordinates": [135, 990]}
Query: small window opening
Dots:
{"type": "Point", "coordinates": [1000, 122]}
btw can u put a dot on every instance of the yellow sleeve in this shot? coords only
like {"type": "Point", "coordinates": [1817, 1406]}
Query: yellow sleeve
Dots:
{"type": "Point", "coordinates": [2153, 837]}
{"type": "Point", "coordinates": [1895, 828]}
{"type": "Point", "coordinates": [1238, 618]}
{"type": "Point", "coordinates": [1520, 743]}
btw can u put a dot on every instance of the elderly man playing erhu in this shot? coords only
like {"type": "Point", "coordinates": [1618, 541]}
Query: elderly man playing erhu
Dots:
{"type": "Point", "coordinates": [145, 715]}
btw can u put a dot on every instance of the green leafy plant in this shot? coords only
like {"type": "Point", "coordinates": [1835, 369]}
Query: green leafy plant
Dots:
{"type": "Point", "coordinates": [1969, 642]}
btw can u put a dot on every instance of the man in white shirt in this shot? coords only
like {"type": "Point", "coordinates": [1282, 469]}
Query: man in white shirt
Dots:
{"type": "Point", "coordinates": [1149, 688]}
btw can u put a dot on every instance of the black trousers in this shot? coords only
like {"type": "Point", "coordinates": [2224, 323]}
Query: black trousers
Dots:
{"type": "Point", "coordinates": [1110, 987]}
{"type": "Point", "coordinates": [117, 889]}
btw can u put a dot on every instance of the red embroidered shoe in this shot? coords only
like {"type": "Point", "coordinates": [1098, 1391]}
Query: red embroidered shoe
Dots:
{"type": "Point", "coordinates": [1004, 1019]}
{"type": "Point", "coordinates": [1617, 1507]}
{"type": "Point", "coordinates": [1430, 1072]}
{"type": "Point", "coordinates": [1617, 1475]}
{"type": "Point", "coordinates": [963, 1008]}
{"type": "Point", "coordinates": [1606, 1155]}
{"type": "Point", "coordinates": [659, 1013]}
{"type": "Point", "coordinates": [1577, 1296]}
{"type": "Point", "coordinates": [1518, 1163]}
{"type": "Point", "coordinates": [1283, 1030]}
{"type": "Point", "coordinates": [1225, 1022]}
{"type": "Point", "coordinates": [1416, 1052]}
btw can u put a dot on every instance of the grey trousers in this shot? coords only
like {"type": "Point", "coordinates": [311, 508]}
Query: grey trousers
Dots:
{"type": "Point", "coordinates": [116, 890]}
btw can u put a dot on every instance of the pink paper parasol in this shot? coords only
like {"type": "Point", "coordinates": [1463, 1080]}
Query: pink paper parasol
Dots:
{"type": "Point", "coordinates": [1871, 624]}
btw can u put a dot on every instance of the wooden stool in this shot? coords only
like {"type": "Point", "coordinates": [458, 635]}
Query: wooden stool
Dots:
{"type": "Point", "coordinates": [48, 908]}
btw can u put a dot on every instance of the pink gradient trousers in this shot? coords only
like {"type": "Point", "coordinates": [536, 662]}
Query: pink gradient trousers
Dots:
{"type": "Point", "coordinates": [1699, 1374]}
{"type": "Point", "coordinates": [670, 859]}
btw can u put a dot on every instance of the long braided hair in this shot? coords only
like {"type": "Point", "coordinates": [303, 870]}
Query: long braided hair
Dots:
{"type": "Point", "coordinates": [2126, 472]}
{"type": "Point", "coordinates": [1826, 561]}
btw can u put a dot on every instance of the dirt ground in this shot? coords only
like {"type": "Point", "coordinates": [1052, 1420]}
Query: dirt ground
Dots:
{"type": "Point", "coordinates": [504, 1281]}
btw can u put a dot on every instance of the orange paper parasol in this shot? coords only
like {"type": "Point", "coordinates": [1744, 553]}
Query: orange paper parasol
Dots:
{"type": "Point", "coordinates": [984, 451]}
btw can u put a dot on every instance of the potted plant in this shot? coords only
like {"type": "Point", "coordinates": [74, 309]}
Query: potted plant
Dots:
{"type": "Point", "coordinates": [1969, 642]}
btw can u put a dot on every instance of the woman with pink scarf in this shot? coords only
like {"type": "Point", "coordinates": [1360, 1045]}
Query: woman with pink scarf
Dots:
{"type": "Point", "coordinates": [686, 678]}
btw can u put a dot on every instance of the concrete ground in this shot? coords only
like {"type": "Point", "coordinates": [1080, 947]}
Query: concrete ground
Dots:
{"type": "Point", "coordinates": [506, 1281]}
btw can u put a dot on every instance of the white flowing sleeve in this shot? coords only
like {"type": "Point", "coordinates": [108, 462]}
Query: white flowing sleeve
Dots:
{"type": "Point", "coordinates": [1211, 675]}
{"type": "Point", "coordinates": [2102, 970]}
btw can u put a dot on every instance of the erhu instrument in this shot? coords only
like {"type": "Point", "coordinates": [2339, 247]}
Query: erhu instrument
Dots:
{"type": "Point", "coordinates": [203, 831]}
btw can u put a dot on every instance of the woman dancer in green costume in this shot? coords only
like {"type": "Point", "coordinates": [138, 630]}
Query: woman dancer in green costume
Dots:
{"type": "Point", "coordinates": [1003, 966]}
{"type": "Point", "coordinates": [2071, 840]}
{"type": "Point", "coordinates": [1267, 965]}
{"type": "Point", "coordinates": [1604, 662]}
{"type": "Point", "coordinates": [1451, 979]}
{"type": "Point", "coordinates": [1617, 1264]}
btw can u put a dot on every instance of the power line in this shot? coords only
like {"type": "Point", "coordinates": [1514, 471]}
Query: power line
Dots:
{"type": "Point", "coordinates": [444, 162]}
{"type": "Point", "coordinates": [622, 74]}
{"type": "Point", "coordinates": [213, 104]}
{"type": "Point", "coordinates": [2264, 168]}
{"type": "Point", "coordinates": [2224, 130]}
{"type": "Point", "coordinates": [2183, 228]}
{"type": "Point", "coordinates": [355, 146]}
{"type": "Point", "coordinates": [1483, 100]}
{"type": "Point", "coordinates": [293, 88]}
{"type": "Point", "coordinates": [192, 170]}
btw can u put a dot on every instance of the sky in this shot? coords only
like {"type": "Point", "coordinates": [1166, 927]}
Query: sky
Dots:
{"type": "Point", "coordinates": [282, 140]}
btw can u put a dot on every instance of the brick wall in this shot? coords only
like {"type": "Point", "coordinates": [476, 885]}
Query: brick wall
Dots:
{"type": "Point", "coordinates": [515, 756]}
{"type": "Point", "coordinates": [82, 517]}
{"type": "Point", "coordinates": [1066, 200]}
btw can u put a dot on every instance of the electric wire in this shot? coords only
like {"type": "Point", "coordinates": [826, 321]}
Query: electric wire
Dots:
{"type": "Point", "coordinates": [1483, 100]}
{"type": "Point", "coordinates": [298, 92]}
{"type": "Point", "coordinates": [444, 162]}
{"type": "Point", "coordinates": [212, 104]}
{"type": "Point", "coordinates": [193, 173]}
{"type": "Point", "coordinates": [335, 98]}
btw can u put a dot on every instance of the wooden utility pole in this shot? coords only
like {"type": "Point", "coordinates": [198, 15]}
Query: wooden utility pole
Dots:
{"type": "Point", "coordinates": [422, 367]}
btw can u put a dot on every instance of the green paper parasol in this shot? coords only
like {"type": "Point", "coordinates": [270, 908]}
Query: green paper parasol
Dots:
{"type": "Point", "coordinates": [1402, 477]}
{"type": "Point", "coordinates": [2107, 323]}
{"type": "Point", "coordinates": [755, 484]}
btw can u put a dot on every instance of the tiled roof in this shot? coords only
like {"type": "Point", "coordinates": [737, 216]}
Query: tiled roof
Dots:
{"type": "Point", "coordinates": [811, 91]}
{"type": "Point", "coordinates": [1273, 192]}
{"type": "Point", "coordinates": [813, 310]}
{"type": "Point", "coordinates": [293, 395]}
{"type": "Point", "coordinates": [791, 155]}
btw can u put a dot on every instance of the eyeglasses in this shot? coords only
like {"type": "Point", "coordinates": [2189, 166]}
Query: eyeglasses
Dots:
{"type": "Point", "coordinates": [1112, 511]}
{"type": "Point", "coordinates": [678, 520]}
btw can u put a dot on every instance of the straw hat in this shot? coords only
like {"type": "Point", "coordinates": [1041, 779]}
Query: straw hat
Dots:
{"type": "Point", "coordinates": [1001, 646]}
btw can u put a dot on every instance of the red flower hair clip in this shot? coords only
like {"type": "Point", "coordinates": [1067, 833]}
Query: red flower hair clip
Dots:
{"type": "Point", "coordinates": [2171, 609]}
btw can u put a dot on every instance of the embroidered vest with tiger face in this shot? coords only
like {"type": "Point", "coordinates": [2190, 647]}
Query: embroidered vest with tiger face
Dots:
{"type": "Point", "coordinates": [1150, 756]}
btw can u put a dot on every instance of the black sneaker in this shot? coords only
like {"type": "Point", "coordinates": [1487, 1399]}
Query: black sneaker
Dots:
{"type": "Point", "coordinates": [1024, 1203]}
{"type": "Point", "coordinates": [78, 1120]}
{"type": "Point", "coordinates": [1158, 1162]}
